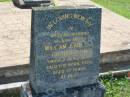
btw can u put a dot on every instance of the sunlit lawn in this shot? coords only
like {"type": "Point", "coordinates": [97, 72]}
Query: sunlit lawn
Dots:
{"type": "Point", "coordinates": [121, 7]}
{"type": "Point", "coordinates": [116, 87]}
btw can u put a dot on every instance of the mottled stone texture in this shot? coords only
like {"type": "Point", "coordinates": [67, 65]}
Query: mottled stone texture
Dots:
{"type": "Point", "coordinates": [95, 90]}
{"type": "Point", "coordinates": [65, 47]}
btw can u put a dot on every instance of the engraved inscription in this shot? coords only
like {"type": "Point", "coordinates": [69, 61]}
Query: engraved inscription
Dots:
{"type": "Point", "coordinates": [68, 54]}
{"type": "Point", "coordinates": [63, 17]}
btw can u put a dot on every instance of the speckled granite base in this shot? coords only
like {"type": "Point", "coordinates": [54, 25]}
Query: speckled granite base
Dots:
{"type": "Point", "coordinates": [95, 90]}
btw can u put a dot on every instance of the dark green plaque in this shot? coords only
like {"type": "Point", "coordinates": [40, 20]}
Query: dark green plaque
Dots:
{"type": "Point", "coordinates": [65, 47]}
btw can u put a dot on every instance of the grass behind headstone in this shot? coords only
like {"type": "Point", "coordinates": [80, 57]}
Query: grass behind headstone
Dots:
{"type": "Point", "coordinates": [5, 1]}
{"type": "Point", "coordinates": [121, 7]}
{"type": "Point", "coordinates": [116, 86]}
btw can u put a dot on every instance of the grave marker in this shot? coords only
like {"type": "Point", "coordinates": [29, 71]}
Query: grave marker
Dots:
{"type": "Point", "coordinates": [65, 47]}
{"type": "Point", "coordinates": [65, 52]}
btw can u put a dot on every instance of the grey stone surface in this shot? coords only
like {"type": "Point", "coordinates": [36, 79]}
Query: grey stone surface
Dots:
{"type": "Point", "coordinates": [97, 90]}
{"type": "Point", "coordinates": [65, 47]}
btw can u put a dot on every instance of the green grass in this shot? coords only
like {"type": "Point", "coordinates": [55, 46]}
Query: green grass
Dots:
{"type": "Point", "coordinates": [5, 0]}
{"type": "Point", "coordinates": [116, 87]}
{"type": "Point", "coordinates": [121, 7]}
{"type": "Point", "coordinates": [14, 93]}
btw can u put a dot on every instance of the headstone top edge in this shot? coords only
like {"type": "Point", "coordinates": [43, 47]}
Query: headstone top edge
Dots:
{"type": "Point", "coordinates": [64, 7]}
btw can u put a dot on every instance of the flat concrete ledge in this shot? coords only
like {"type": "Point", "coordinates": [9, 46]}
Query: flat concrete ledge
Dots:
{"type": "Point", "coordinates": [11, 90]}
